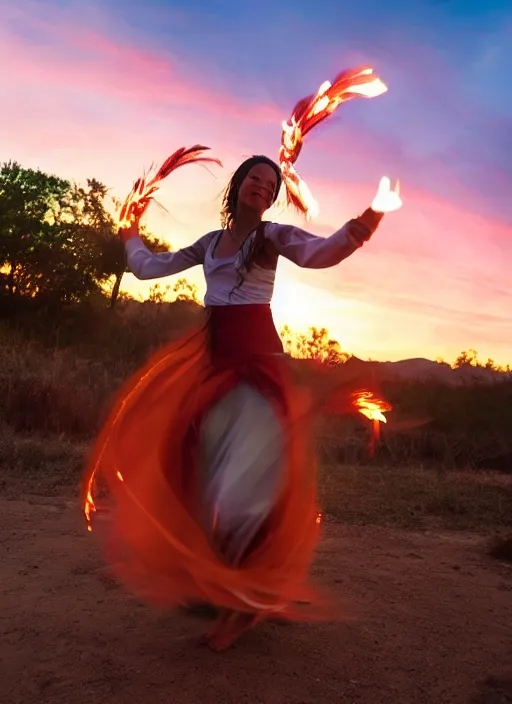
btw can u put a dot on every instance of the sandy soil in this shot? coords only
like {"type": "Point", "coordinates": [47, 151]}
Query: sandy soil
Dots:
{"type": "Point", "coordinates": [434, 624]}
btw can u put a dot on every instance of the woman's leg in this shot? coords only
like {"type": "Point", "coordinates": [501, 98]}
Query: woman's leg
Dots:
{"type": "Point", "coordinates": [242, 463]}
{"type": "Point", "coordinates": [242, 460]}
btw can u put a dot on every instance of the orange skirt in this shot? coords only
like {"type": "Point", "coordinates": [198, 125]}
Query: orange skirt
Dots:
{"type": "Point", "coordinates": [147, 455]}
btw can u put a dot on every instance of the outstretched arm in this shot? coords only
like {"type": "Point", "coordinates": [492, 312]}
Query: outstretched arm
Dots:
{"type": "Point", "coordinates": [146, 265]}
{"type": "Point", "coordinates": [313, 252]}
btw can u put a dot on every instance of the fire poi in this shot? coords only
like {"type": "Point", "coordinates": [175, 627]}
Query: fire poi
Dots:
{"type": "Point", "coordinates": [310, 112]}
{"type": "Point", "coordinates": [144, 188]}
{"type": "Point", "coordinates": [208, 453]}
{"type": "Point", "coordinates": [373, 408]}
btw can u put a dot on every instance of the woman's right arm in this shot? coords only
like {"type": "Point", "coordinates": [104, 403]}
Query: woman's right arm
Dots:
{"type": "Point", "coordinates": [146, 265]}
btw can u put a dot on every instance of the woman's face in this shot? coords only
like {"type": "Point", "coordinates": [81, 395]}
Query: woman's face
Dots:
{"type": "Point", "coordinates": [258, 189]}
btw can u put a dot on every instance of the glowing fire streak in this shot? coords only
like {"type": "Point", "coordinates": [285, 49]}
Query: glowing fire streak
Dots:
{"type": "Point", "coordinates": [370, 406]}
{"type": "Point", "coordinates": [145, 187]}
{"type": "Point", "coordinates": [89, 504]}
{"type": "Point", "coordinates": [308, 113]}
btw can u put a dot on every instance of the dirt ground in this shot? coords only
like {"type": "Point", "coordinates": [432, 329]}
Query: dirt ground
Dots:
{"type": "Point", "coordinates": [431, 622]}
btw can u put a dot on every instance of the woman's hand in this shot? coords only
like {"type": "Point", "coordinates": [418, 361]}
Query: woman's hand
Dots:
{"type": "Point", "coordinates": [387, 200]}
{"type": "Point", "coordinates": [128, 233]}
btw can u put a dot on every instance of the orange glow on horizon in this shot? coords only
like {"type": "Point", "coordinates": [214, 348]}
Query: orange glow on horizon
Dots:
{"type": "Point", "coordinates": [433, 281]}
{"type": "Point", "coordinates": [389, 321]}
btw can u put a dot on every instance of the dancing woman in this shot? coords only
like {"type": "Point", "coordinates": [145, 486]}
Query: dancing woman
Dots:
{"type": "Point", "coordinates": [208, 451]}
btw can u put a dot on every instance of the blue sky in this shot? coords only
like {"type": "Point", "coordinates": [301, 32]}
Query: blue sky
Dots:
{"type": "Point", "coordinates": [105, 88]}
{"type": "Point", "coordinates": [448, 63]}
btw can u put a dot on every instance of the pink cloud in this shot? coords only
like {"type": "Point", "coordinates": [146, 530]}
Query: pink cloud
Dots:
{"type": "Point", "coordinates": [84, 101]}
{"type": "Point", "coordinates": [433, 281]}
{"type": "Point", "coordinates": [66, 55]}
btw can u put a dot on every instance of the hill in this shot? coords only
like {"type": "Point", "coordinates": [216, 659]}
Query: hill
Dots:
{"type": "Point", "coordinates": [424, 370]}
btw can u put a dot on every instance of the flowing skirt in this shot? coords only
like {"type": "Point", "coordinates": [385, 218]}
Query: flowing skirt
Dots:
{"type": "Point", "coordinates": [212, 474]}
{"type": "Point", "coordinates": [242, 465]}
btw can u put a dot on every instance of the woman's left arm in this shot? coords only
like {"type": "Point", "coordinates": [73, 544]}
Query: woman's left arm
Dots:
{"type": "Point", "coordinates": [314, 252]}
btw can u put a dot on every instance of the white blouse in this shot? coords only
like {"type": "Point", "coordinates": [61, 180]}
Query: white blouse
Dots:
{"type": "Point", "coordinates": [223, 275]}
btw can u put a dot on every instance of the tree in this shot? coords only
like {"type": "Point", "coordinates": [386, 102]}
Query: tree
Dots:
{"type": "Point", "coordinates": [470, 358]}
{"type": "Point", "coordinates": [185, 291]}
{"type": "Point", "coordinates": [31, 205]}
{"type": "Point", "coordinates": [79, 264]}
{"type": "Point", "coordinates": [58, 241]}
{"type": "Point", "coordinates": [466, 358]}
{"type": "Point", "coordinates": [315, 344]}
{"type": "Point", "coordinates": [50, 232]}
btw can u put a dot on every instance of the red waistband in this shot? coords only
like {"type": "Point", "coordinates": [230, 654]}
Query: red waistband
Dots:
{"type": "Point", "coordinates": [239, 333]}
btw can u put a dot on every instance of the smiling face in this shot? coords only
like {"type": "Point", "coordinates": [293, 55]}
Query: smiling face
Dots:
{"type": "Point", "coordinates": [252, 189]}
{"type": "Point", "coordinates": [258, 189]}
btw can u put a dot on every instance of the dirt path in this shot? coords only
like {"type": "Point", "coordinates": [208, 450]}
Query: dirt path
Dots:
{"type": "Point", "coordinates": [434, 624]}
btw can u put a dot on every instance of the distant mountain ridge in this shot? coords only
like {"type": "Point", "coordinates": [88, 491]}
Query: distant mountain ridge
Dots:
{"type": "Point", "coordinates": [420, 369]}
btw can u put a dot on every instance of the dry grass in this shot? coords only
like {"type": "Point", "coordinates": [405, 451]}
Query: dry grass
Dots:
{"type": "Point", "coordinates": [416, 498]}
{"type": "Point", "coordinates": [57, 379]}
{"type": "Point", "coordinates": [36, 463]}
{"type": "Point", "coordinates": [411, 498]}
{"type": "Point", "coordinates": [60, 380]}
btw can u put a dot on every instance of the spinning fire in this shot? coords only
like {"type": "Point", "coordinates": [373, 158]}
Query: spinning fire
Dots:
{"type": "Point", "coordinates": [307, 114]}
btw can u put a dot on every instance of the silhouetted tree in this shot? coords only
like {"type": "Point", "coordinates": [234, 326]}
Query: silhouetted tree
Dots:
{"type": "Point", "coordinates": [466, 358]}
{"type": "Point", "coordinates": [32, 204]}
{"type": "Point", "coordinates": [314, 344]}
{"type": "Point", "coordinates": [470, 358]}
{"type": "Point", "coordinates": [181, 291]}
{"type": "Point", "coordinates": [58, 241]}
{"type": "Point", "coordinates": [185, 291]}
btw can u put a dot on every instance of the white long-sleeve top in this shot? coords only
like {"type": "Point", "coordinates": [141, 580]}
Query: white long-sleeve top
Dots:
{"type": "Point", "coordinates": [223, 274]}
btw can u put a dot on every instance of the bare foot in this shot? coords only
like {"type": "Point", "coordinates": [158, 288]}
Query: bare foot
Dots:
{"type": "Point", "coordinates": [229, 629]}
{"type": "Point", "coordinates": [212, 634]}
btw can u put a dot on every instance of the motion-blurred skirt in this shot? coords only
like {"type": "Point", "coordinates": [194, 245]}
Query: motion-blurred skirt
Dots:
{"type": "Point", "coordinates": [207, 457]}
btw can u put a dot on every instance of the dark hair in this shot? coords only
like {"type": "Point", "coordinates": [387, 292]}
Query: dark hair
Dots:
{"type": "Point", "coordinates": [230, 198]}
{"type": "Point", "coordinates": [230, 203]}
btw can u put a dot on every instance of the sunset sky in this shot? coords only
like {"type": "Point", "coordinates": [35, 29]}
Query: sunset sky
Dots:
{"type": "Point", "coordinates": [104, 89]}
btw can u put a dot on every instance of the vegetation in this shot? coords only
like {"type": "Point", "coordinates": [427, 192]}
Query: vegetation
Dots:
{"type": "Point", "coordinates": [69, 338]}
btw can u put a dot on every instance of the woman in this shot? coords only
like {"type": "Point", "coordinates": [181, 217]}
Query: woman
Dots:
{"type": "Point", "coordinates": [207, 452]}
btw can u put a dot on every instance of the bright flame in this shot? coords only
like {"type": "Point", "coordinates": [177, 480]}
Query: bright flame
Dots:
{"type": "Point", "coordinates": [370, 406]}
{"type": "Point", "coordinates": [144, 189]}
{"type": "Point", "coordinates": [298, 190]}
{"type": "Point", "coordinates": [387, 200]}
{"type": "Point", "coordinates": [308, 113]}
{"type": "Point", "coordinates": [89, 505]}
